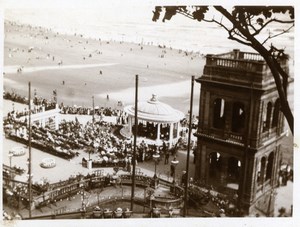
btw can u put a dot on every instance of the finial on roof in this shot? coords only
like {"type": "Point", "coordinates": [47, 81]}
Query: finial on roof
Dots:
{"type": "Point", "coordinates": [154, 98]}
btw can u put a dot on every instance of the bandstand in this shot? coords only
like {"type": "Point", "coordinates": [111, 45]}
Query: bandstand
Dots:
{"type": "Point", "coordinates": [157, 122]}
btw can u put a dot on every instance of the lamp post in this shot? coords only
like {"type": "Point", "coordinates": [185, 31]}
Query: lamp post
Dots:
{"type": "Point", "coordinates": [19, 190]}
{"type": "Point", "coordinates": [156, 159]}
{"type": "Point", "coordinates": [82, 193]}
{"type": "Point", "coordinates": [155, 180]}
{"type": "Point", "coordinates": [174, 163]}
{"type": "Point", "coordinates": [29, 175]}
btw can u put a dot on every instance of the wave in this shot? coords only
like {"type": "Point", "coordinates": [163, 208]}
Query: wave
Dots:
{"type": "Point", "coordinates": [182, 34]}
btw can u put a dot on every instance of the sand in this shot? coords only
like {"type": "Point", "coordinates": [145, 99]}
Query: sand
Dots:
{"type": "Point", "coordinates": [90, 67]}
{"type": "Point", "coordinates": [97, 68]}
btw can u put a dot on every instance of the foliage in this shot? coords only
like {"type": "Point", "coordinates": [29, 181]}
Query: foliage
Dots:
{"type": "Point", "coordinates": [253, 18]}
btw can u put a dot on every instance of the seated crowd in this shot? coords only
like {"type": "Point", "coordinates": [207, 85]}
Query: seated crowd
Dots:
{"type": "Point", "coordinates": [97, 138]}
{"type": "Point", "coordinates": [71, 136]}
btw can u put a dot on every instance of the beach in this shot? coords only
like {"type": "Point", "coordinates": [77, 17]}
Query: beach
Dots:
{"type": "Point", "coordinates": [79, 68]}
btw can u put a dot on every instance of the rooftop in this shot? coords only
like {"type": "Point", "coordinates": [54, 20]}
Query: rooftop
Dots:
{"type": "Point", "coordinates": [154, 110]}
{"type": "Point", "coordinates": [240, 68]}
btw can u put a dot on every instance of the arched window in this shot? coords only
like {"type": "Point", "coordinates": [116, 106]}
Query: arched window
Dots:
{"type": "Point", "coordinates": [260, 178]}
{"type": "Point", "coordinates": [238, 117]}
{"type": "Point", "coordinates": [270, 166]}
{"type": "Point", "coordinates": [214, 164]}
{"type": "Point", "coordinates": [276, 114]}
{"type": "Point", "coordinates": [268, 117]}
{"type": "Point", "coordinates": [234, 166]}
{"type": "Point", "coordinates": [219, 118]}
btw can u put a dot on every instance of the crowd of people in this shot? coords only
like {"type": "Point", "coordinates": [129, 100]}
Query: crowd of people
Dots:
{"type": "Point", "coordinates": [224, 205]}
{"type": "Point", "coordinates": [15, 97]}
{"type": "Point", "coordinates": [98, 111]}
{"type": "Point", "coordinates": [95, 138]}
{"type": "Point", "coordinates": [41, 104]}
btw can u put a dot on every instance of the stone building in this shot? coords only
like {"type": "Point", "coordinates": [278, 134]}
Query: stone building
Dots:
{"type": "Point", "coordinates": [240, 129]}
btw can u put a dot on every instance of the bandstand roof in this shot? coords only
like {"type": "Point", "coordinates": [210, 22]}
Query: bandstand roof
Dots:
{"type": "Point", "coordinates": [155, 111]}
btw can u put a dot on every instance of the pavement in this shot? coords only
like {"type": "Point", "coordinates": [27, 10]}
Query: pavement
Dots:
{"type": "Point", "coordinates": [284, 198]}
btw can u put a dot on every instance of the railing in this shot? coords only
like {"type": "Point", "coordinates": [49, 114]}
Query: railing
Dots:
{"type": "Point", "coordinates": [59, 184]}
{"type": "Point", "coordinates": [251, 56]}
{"type": "Point", "coordinates": [234, 63]}
{"type": "Point", "coordinates": [241, 60]}
{"type": "Point", "coordinates": [236, 54]}
{"type": "Point", "coordinates": [70, 187]}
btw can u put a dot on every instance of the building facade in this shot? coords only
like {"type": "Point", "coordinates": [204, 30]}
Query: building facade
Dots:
{"type": "Point", "coordinates": [240, 129]}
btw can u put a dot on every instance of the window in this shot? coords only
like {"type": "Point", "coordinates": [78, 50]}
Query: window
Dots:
{"type": "Point", "coordinates": [234, 166]}
{"type": "Point", "coordinates": [270, 166]}
{"type": "Point", "coordinates": [219, 118]}
{"type": "Point", "coordinates": [268, 117]}
{"type": "Point", "coordinates": [276, 114]}
{"type": "Point", "coordinates": [214, 164]}
{"type": "Point", "coordinates": [238, 117]}
{"type": "Point", "coordinates": [261, 173]}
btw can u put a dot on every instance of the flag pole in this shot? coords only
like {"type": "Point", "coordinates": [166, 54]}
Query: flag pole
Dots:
{"type": "Point", "coordinates": [188, 149]}
{"type": "Point", "coordinates": [134, 141]}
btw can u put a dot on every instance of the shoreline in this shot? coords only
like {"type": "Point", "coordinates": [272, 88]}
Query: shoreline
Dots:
{"type": "Point", "coordinates": [70, 33]}
{"type": "Point", "coordinates": [165, 70]}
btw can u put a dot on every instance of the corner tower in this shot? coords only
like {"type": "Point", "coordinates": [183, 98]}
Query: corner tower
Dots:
{"type": "Point", "coordinates": [240, 129]}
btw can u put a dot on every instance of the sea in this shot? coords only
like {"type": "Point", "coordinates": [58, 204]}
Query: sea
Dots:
{"type": "Point", "coordinates": [133, 23]}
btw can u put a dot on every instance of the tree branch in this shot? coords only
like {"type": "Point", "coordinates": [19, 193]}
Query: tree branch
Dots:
{"type": "Point", "coordinates": [249, 17]}
{"type": "Point", "coordinates": [219, 23]}
{"type": "Point", "coordinates": [278, 34]}
{"type": "Point", "coordinates": [250, 22]}
{"type": "Point", "coordinates": [283, 75]}
{"type": "Point", "coordinates": [270, 21]}
{"type": "Point", "coordinates": [236, 31]}
{"type": "Point", "coordinates": [238, 40]}
{"type": "Point", "coordinates": [185, 13]}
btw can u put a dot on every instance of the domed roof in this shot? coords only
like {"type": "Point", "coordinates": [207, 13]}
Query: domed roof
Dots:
{"type": "Point", "coordinates": [154, 110]}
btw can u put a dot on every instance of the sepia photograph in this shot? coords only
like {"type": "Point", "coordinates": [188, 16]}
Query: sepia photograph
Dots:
{"type": "Point", "coordinates": [147, 110]}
